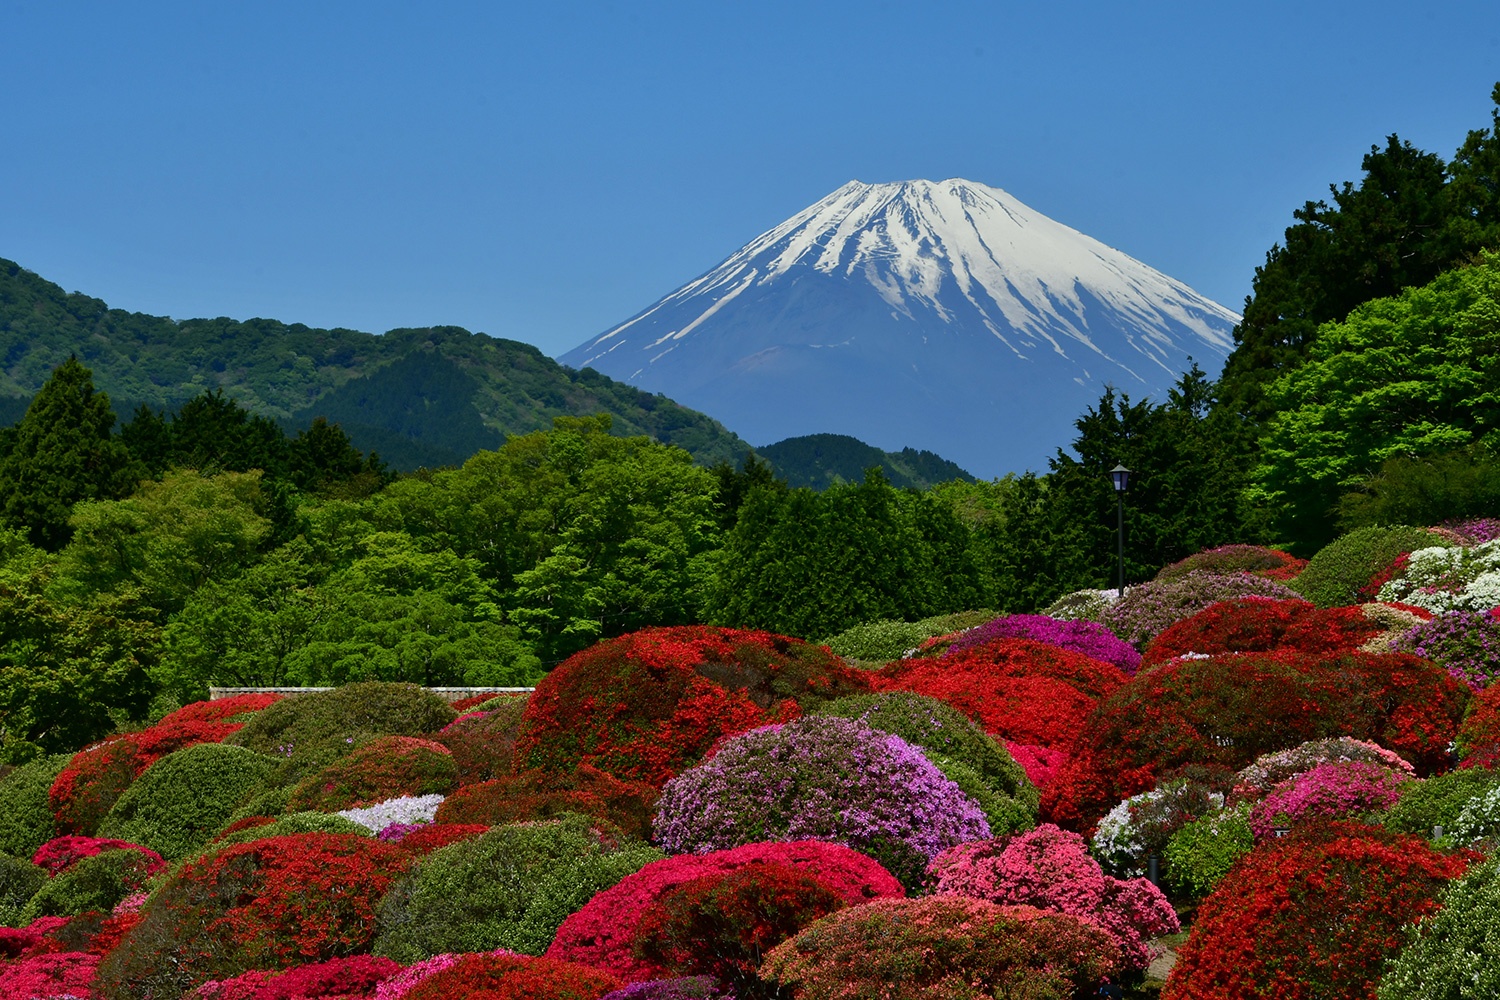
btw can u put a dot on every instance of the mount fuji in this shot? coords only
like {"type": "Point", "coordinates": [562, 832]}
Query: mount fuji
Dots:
{"type": "Point", "coordinates": [944, 316]}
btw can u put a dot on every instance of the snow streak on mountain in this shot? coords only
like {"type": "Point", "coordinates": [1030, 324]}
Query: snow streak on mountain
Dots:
{"type": "Point", "coordinates": [939, 315]}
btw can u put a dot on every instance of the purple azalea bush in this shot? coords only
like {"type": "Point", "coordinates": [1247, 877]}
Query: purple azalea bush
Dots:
{"type": "Point", "coordinates": [1465, 643]}
{"type": "Point", "coordinates": [1086, 637]}
{"type": "Point", "coordinates": [820, 778]}
{"type": "Point", "coordinates": [1336, 790]}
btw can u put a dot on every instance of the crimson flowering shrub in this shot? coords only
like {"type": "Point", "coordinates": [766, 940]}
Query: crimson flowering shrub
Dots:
{"type": "Point", "coordinates": [1089, 638]}
{"type": "Point", "coordinates": [942, 947]}
{"type": "Point", "coordinates": [1041, 764]}
{"type": "Point", "coordinates": [264, 904]}
{"type": "Point", "coordinates": [1228, 710]}
{"type": "Point", "coordinates": [1465, 643]}
{"type": "Point", "coordinates": [723, 924]}
{"type": "Point", "coordinates": [57, 974]}
{"type": "Point", "coordinates": [542, 794]}
{"type": "Point", "coordinates": [1051, 869]}
{"type": "Point", "coordinates": [385, 768]}
{"type": "Point", "coordinates": [820, 778]}
{"type": "Point", "coordinates": [483, 742]}
{"type": "Point", "coordinates": [648, 705]}
{"type": "Point", "coordinates": [88, 787]}
{"type": "Point", "coordinates": [1341, 790]}
{"type": "Point", "coordinates": [1019, 690]}
{"type": "Point", "coordinates": [513, 977]}
{"type": "Point", "coordinates": [351, 978]}
{"type": "Point", "coordinates": [1153, 607]}
{"type": "Point", "coordinates": [1261, 624]}
{"type": "Point", "coordinates": [61, 853]}
{"type": "Point", "coordinates": [232, 709]}
{"type": "Point", "coordinates": [1479, 737]}
{"type": "Point", "coordinates": [401, 983]}
{"type": "Point", "coordinates": [604, 933]}
{"type": "Point", "coordinates": [429, 837]}
{"type": "Point", "coordinates": [36, 938]}
{"type": "Point", "coordinates": [1270, 770]}
{"type": "Point", "coordinates": [1272, 564]}
{"type": "Point", "coordinates": [1312, 915]}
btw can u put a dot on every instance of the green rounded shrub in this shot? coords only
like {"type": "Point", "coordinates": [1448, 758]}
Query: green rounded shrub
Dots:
{"type": "Point", "coordinates": [182, 800]}
{"type": "Point", "coordinates": [311, 731]}
{"type": "Point", "coordinates": [268, 802]}
{"type": "Point", "coordinates": [1345, 566]}
{"type": "Point", "coordinates": [888, 639]}
{"type": "Point", "coordinates": [964, 752]}
{"type": "Point", "coordinates": [93, 884]}
{"type": "Point", "coordinates": [26, 819]}
{"type": "Point", "coordinates": [511, 888]}
{"type": "Point", "coordinates": [1201, 853]}
{"type": "Point", "coordinates": [19, 881]}
{"type": "Point", "coordinates": [1454, 953]}
{"type": "Point", "coordinates": [1438, 801]}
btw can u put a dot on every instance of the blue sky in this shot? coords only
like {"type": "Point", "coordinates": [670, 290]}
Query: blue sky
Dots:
{"type": "Point", "coordinates": [543, 171]}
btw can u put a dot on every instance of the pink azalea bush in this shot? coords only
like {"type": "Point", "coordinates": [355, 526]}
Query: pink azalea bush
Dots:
{"type": "Point", "coordinates": [355, 977]}
{"type": "Point", "coordinates": [1051, 869]}
{"type": "Point", "coordinates": [55, 974]}
{"type": "Point", "coordinates": [61, 853]}
{"type": "Point", "coordinates": [1080, 636]}
{"type": "Point", "coordinates": [1041, 764]}
{"type": "Point", "coordinates": [1343, 789]}
{"type": "Point", "coordinates": [1270, 770]}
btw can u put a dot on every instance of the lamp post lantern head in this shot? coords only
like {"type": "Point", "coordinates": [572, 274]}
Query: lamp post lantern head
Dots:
{"type": "Point", "coordinates": [1121, 477]}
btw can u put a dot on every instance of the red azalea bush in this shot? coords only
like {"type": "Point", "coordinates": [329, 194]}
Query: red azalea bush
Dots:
{"type": "Point", "coordinates": [428, 838]}
{"type": "Point", "coordinates": [647, 706]}
{"type": "Point", "coordinates": [57, 974]}
{"type": "Point", "coordinates": [942, 947]}
{"type": "Point", "coordinates": [1040, 763]}
{"type": "Point", "coordinates": [723, 924]}
{"type": "Point", "coordinates": [540, 794]}
{"type": "Point", "coordinates": [483, 743]}
{"type": "Point", "coordinates": [1273, 564]}
{"type": "Point", "coordinates": [85, 790]}
{"type": "Point", "coordinates": [1312, 915]}
{"type": "Point", "coordinates": [353, 978]}
{"type": "Point", "coordinates": [605, 931]}
{"type": "Point", "coordinates": [36, 938]}
{"type": "Point", "coordinates": [1262, 624]}
{"type": "Point", "coordinates": [1051, 869]}
{"type": "Point", "coordinates": [61, 853]}
{"type": "Point", "coordinates": [1336, 790]}
{"type": "Point", "coordinates": [1019, 690]}
{"type": "Point", "coordinates": [514, 977]}
{"type": "Point", "coordinates": [1479, 736]}
{"type": "Point", "coordinates": [1228, 710]}
{"type": "Point", "coordinates": [266, 903]}
{"type": "Point", "coordinates": [385, 768]}
{"type": "Point", "coordinates": [220, 709]}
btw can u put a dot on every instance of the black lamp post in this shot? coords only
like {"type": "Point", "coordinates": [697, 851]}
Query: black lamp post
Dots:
{"type": "Point", "coordinates": [1120, 476]}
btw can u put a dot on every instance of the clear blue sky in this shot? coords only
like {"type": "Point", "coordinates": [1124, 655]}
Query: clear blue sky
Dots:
{"type": "Point", "coordinates": [541, 171]}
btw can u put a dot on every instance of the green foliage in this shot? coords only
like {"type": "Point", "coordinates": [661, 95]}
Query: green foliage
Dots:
{"type": "Point", "coordinates": [818, 461]}
{"type": "Point", "coordinates": [1412, 375]}
{"type": "Point", "coordinates": [889, 640]}
{"type": "Point", "coordinates": [19, 881]}
{"type": "Point", "coordinates": [297, 822]}
{"type": "Point", "coordinates": [958, 747]}
{"type": "Point", "coordinates": [182, 800]}
{"type": "Point", "coordinates": [1453, 954]}
{"type": "Point", "coordinates": [1201, 853]}
{"type": "Point", "coordinates": [1338, 572]}
{"type": "Point", "coordinates": [61, 452]}
{"type": "Point", "coordinates": [26, 820]}
{"type": "Point", "coordinates": [511, 888]}
{"type": "Point", "coordinates": [269, 802]}
{"type": "Point", "coordinates": [1426, 489]}
{"type": "Point", "coordinates": [1438, 801]}
{"type": "Point", "coordinates": [92, 884]}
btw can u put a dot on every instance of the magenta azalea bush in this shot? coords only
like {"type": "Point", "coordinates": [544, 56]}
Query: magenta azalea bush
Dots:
{"type": "Point", "coordinates": [1086, 637]}
{"type": "Point", "coordinates": [1464, 643]}
{"type": "Point", "coordinates": [1051, 869]}
{"type": "Point", "coordinates": [1270, 770]}
{"type": "Point", "coordinates": [1338, 790]}
{"type": "Point", "coordinates": [820, 778]}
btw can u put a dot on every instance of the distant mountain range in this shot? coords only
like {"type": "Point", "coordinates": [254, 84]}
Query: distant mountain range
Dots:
{"type": "Point", "coordinates": [430, 396]}
{"type": "Point", "coordinates": [822, 460]}
{"type": "Point", "coordinates": [944, 316]}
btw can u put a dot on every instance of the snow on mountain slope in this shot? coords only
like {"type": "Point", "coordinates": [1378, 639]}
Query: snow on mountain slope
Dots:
{"type": "Point", "coordinates": [939, 315]}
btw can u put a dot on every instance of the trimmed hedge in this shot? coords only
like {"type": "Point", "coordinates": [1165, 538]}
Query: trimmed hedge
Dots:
{"type": "Point", "coordinates": [1341, 571]}
{"type": "Point", "coordinates": [93, 884]}
{"type": "Point", "coordinates": [26, 820]}
{"type": "Point", "coordinates": [889, 639]}
{"type": "Point", "coordinates": [19, 881]}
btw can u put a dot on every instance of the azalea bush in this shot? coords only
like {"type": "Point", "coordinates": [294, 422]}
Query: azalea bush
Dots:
{"type": "Point", "coordinates": [1051, 869]}
{"type": "Point", "coordinates": [1338, 790]}
{"type": "Point", "coordinates": [648, 705]}
{"type": "Point", "coordinates": [385, 768]}
{"type": "Point", "coordinates": [483, 741]}
{"type": "Point", "coordinates": [48, 976]}
{"type": "Point", "coordinates": [61, 853]}
{"type": "Point", "coordinates": [509, 888]}
{"type": "Point", "coordinates": [1426, 806]}
{"type": "Point", "coordinates": [426, 838]}
{"type": "Point", "coordinates": [1465, 643]}
{"type": "Point", "coordinates": [942, 947]}
{"type": "Point", "coordinates": [677, 988]}
{"type": "Point", "coordinates": [1082, 605]}
{"type": "Point", "coordinates": [1141, 825]}
{"type": "Point", "coordinates": [820, 778]}
{"type": "Point", "coordinates": [1019, 690]}
{"type": "Point", "coordinates": [1089, 638]}
{"type": "Point", "coordinates": [235, 708]}
{"type": "Point", "coordinates": [1478, 739]}
{"type": "Point", "coordinates": [1273, 564]}
{"type": "Point", "coordinates": [1340, 573]}
{"type": "Point", "coordinates": [606, 932]}
{"type": "Point", "coordinates": [1478, 822]}
{"type": "Point", "coordinates": [1270, 770]}
{"type": "Point", "coordinates": [1199, 854]}
{"type": "Point", "coordinates": [541, 794]}
{"type": "Point", "coordinates": [97, 883]}
{"type": "Point", "coordinates": [1447, 578]}
{"type": "Point", "coordinates": [26, 820]}
{"type": "Point", "coordinates": [19, 881]}
{"type": "Point", "coordinates": [1260, 624]}
{"type": "Point", "coordinates": [1452, 952]}
{"type": "Point", "coordinates": [353, 978]}
{"type": "Point", "coordinates": [889, 640]}
{"type": "Point", "coordinates": [965, 754]}
{"type": "Point", "coordinates": [1153, 607]}
{"type": "Point", "coordinates": [1312, 915]}
{"type": "Point", "coordinates": [513, 977]}
{"type": "Point", "coordinates": [402, 810]}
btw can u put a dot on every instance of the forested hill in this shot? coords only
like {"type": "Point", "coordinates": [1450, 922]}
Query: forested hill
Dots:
{"type": "Point", "coordinates": [429, 396]}
{"type": "Point", "coordinates": [823, 460]}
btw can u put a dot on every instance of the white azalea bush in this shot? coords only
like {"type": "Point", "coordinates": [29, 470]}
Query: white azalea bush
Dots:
{"type": "Point", "coordinates": [1449, 579]}
{"type": "Point", "coordinates": [408, 810]}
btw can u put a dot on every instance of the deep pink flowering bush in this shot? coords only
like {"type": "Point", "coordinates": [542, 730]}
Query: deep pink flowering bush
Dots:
{"type": "Point", "coordinates": [1041, 764]}
{"type": "Point", "coordinates": [1339, 790]}
{"type": "Point", "coordinates": [1464, 643]}
{"type": "Point", "coordinates": [603, 933]}
{"type": "Point", "coordinates": [61, 853]}
{"type": "Point", "coordinates": [1051, 869]}
{"type": "Point", "coordinates": [1086, 637]}
{"type": "Point", "coordinates": [820, 778]}
{"type": "Point", "coordinates": [43, 977]}
{"type": "Point", "coordinates": [1270, 770]}
{"type": "Point", "coordinates": [353, 978]}
{"type": "Point", "coordinates": [33, 939]}
{"type": "Point", "coordinates": [404, 981]}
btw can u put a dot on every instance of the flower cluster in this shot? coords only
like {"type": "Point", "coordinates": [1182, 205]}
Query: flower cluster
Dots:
{"type": "Point", "coordinates": [1153, 607]}
{"type": "Point", "coordinates": [1261, 624]}
{"type": "Point", "coordinates": [1465, 643]}
{"type": "Point", "coordinates": [1041, 764]}
{"type": "Point", "coordinates": [1273, 564]}
{"type": "Point", "coordinates": [820, 778]}
{"type": "Point", "coordinates": [1270, 770]}
{"type": "Point", "coordinates": [52, 975]}
{"type": "Point", "coordinates": [1479, 821]}
{"type": "Point", "coordinates": [355, 977]}
{"type": "Point", "coordinates": [1082, 605]}
{"type": "Point", "coordinates": [424, 838]}
{"type": "Point", "coordinates": [1473, 531]}
{"type": "Point", "coordinates": [1089, 638]}
{"type": "Point", "coordinates": [513, 977]}
{"type": "Point", "coordinates": [681, 988]}
{"type": "Point", "coordinates": [404, 810]}
{"type": "Point", "coordinates": [540, 794]}
{"type": "Point", "coordinates": [61, 853]}
{"type": "Point", "coordinates": [402, 982]}
{"type": "Point", "coordinates": [1448, 954]}
{"type": "Point", "coordinates": [648, 705]}
{"type": "Point", "coordinates": [383, 769]}
{"type": "Point", "coordinates": [1339, 790]}
{"type": "Point", "coordinates": [1449, 579]}
{"type": "Point", "coordinates": [1141, 825]}
{"type": "Point", "coordinates": [482, 742]}
{"type": "Point", "coordinates": [1051, 869]}
{"type": "Point", "coordinates": [233, 709]}
{"type": "Point", "coordinates": [1478, 740]}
